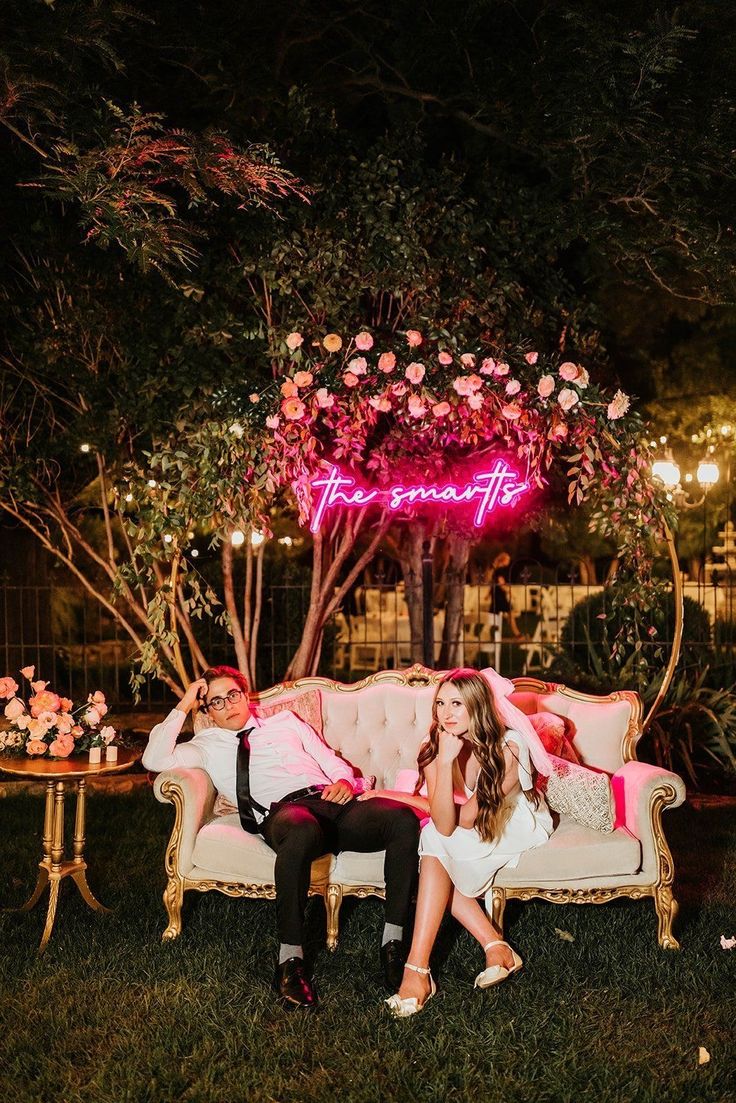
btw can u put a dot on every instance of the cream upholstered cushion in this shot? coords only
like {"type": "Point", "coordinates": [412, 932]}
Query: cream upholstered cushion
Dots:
{"type": "Point", "coordinates": [350, 867]}
{"type": "Point", "coordinates": [574, 852]}
{"type": "Point", "coordinates": [224, 850]}
{"type": "Point", "coordinates": [583, 794]}
{"type": "Point", "coordinates": [600, 725]}
{"type": "Point", "coordinates": [378, 729]}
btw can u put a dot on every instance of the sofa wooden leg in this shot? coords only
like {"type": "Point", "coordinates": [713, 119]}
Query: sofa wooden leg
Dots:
{"type": "Point", "coordinates": [498, 906]}
{"type": "Point", "coordinates": [173, 899]}
{"type": "Point", "coordinates": [667, 908]}
{"type": "Point", "coordinates": [333, 902]}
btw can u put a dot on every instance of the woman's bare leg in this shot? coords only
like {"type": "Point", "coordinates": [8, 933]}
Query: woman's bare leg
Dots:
{"type": "Point", "coordinates": [432, 900]}
{"type": "Point", "coordinates": [473, 917]}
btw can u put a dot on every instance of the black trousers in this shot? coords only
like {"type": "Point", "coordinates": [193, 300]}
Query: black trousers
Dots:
{"type": "Point", "coordinates": [302, 831]}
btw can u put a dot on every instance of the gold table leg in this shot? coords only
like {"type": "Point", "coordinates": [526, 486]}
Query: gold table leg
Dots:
{"type": "Point", "coordinates": [52, 867]}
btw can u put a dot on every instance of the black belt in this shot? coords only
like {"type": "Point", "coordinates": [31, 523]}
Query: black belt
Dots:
{"type": "Point", "coordinates": [302, 794]}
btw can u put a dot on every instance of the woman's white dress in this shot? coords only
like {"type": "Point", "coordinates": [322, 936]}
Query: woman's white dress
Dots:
{"type": "Point", "coordinates": [472, 863]}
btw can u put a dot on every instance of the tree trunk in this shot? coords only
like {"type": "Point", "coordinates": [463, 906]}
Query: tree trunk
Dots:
{"type": "Point", "coordinates": [452, 650]}
{"type": "Point", "coordinates": [412, 538]}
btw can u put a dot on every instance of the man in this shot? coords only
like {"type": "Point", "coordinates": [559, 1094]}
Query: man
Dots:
{"type": "Point", "coordinates": [291, 788]}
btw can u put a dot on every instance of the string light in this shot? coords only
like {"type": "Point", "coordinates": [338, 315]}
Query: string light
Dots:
{"type": "Point", "coordinates": [256, 539]}
{"type": "Point", "coordinates": [85, 447]}
{"type": "Point", "coordinates": [237, 538]}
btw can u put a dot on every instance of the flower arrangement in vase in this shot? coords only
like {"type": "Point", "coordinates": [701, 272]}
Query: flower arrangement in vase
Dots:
{"type": "Point", "coordinates": [48, 725]}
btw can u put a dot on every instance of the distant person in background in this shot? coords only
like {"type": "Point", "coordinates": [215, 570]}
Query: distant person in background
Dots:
{"type": "Point", "coordinates": [501, 593]}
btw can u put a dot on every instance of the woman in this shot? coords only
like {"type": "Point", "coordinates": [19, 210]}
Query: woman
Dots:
{"type": "Point", "coordinates": [501, 594]}
{"type": "Point", "coordinates": [484, 813]}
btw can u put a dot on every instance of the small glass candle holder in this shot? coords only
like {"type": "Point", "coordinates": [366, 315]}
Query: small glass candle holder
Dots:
{"type": "Point", "coordinates": [111, 753]}
{"type": "Point", "coordinates": [95, 754]}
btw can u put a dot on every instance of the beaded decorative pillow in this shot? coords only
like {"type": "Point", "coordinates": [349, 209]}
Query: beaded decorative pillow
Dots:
{"type": "Point", "coordinates": [581, 793]}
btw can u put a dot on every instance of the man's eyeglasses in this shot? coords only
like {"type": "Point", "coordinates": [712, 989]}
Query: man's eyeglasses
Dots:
{"type": "Point", "coordinates": [218, 703]}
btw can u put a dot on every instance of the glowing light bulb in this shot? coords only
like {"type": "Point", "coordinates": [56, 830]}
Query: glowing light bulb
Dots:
{"type": "Point", "coordinates": [707, 474]}
{"type": "Point", "coordinates": [85, 447]}
{"type": "Point", "coordinates": [237, 538]}
{"type": "Point", "coordinates": [667, 471]}
{"type": "Point", "coordinates": [256, 539]}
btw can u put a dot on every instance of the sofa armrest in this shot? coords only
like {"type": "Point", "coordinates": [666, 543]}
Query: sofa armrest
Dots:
{"type": "Point", "coordinates": [642, 792]}
{"type": "Point", "coordinates": [192, 793]}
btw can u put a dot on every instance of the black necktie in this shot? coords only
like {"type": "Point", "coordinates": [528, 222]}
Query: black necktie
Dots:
{"type": "Point", "coordinates": [242, 784]}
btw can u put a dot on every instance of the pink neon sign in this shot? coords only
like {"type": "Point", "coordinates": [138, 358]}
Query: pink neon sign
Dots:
{"type": "Point", "coordinates": [489, 490]}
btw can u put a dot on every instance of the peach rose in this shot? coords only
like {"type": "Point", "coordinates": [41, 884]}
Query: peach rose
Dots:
{"type": "Point", "coordinates": [289, 388]}
{"type": "Point", "coordinates": [14, 709]}
{"type": "Point", "coordinates": [413, 338]}
{"type": "Point", "coordinates": [107, 734]}
{"type": "Point", "coordinates": [48, 719]}
{"type": "Point", "coordinates": [324, 399]}
{"type": "Point", "coordinates": [358, 365]}
{"type": "Point", "coordinates": [364, 341]}
{"type": "Point", "coordinates": [399, 389]}
{"type": "Point", "coordinates": [273, 421]}
{"type": "Point", "coordinates": [254, 398]}
{"type": "Point", "coordinates": [22, 721]}
{"type": "Point", "coordinates": [416, 372]}
{"type": "Point", "coordinates": [77, 731]}
{"type": "Point", "coordinates": [8, 687]}
{"type": "Point", "coordinates": [511, 411]}
{"type": "Point", "coordinates": [531, 358]}
{"type": "Point", "coordinates": [558, 431]}
{"type": "Point", "coordinates": [332, 342]}
{"type": "Point", "coordinates": [294, 341]}
{"type": "Point", "coordinates": [468, 359]}
{"type": "Point", "coordinates": [475, 401]}
{"type": "Point", "coordinates": [350, 379]}
{"type": "Point", "coordinates": [64, 723]}
{"type": "Point", "coordinates": [35, 746]}
{"type": "Point", "coordinates": [567, 398]}
{"type": "Point", "coordinates": [380, 403]}
{"type": "Point", "coordinates": [38, 687]}
{"type": "Point", "coordinates": [501, 369]}
{"type": "Point", "coordinates": [545, 386]}
{"type": "Point", "coordinates": [445, 359]}
{"type": "Point", "coordinates": [65, 705]}
{"type": "Point", "coordinates": [292, 408]}
{"type": "Point", "coordinates": [441, 409]}
{"type": "Point", "coordinates": [513, 386]}
{"type": "Point", "coordinates": [61, 747]}
{"type": "Point", "coordinates": [92, 717]}
{"type": "Point", "coordinates": [303, 378]}
{"type": "Point", "coordinates": [574, 373]}
{"type": "Point", "coordinates": [415, 406]}
{"type": "Point", "coordinates": [488, 366]}
{"type": "Point", "coordinates": [28, 672]}
{"type": "Point", "coordinates": [45, 701]}
{"type": "Point", "coordinates": [386, 362]}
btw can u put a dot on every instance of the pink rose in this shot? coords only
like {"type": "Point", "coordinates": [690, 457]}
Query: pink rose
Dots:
{"type": "Point", "coordinates": [399, 389]}
{"type": "Point", "coordinates": [254, 398]}
{"type": "Point", "coordinates": [92, 716]}
{"type": "Point", "coordinates": [350, 379]}
{"type": "Point", "coordinates": [531, 358]}
{"type": "Point", "coordinates": [475, 401]}
{"type": "Point", "coordinates": [38, 687]}
{"type": "Point", "coordinates": [415, 406]}
{"type": "Point", "coordinates": [513, 386]}
{"type": "Point", "coordinates": [364, 341]}
{"type": "Point", "coordinates": [64, 723]}
{"type": "Point", "coordinates": [35, 746]}
{"type": "Point", "coordinates": [460, 384]}
{"type": "Point", "coordinates": [293, 409]}
{"type": "Point", "coordinates": [61, 747]}
{"type": "Point", "coordinates": [413, 338]}
{"type": "Point", "coordinates": [358, 365]}
{"type": "Point", "coordinates": [415, 372]}
{"type": "Point", "coordinates": [558, 432]}
{"type": "Point", "coordinates": [44, 702]}
{"type": "Point", "coordinates": [445, 359]}
{"type": "Point", "coordinates": [273, 421]}
{"type": "Point", "coordinates": [303, 378]}
{"type": "Point", "coordinates": [8, 687]}
{"type": "Point", "coordinates": [48, 719]}
{"type": "Point", "coordinates": [488, 366]}
{"type": "Point", "coordinates": [14, 709]}
{"type": "Point", "coordinates": [545, 386]}
{"type": "Point", "coordinates": [28, 672]}
{"type": "Point", "coordinates": [511, 411]}
{"type": "Point", "coordinates": [324, 398]}
{"type": "Point", "coordinates": [107, 734]}
{"type": "Point", "coordinates": [97, 698]}
{"type": "Point", "coordinates": [294, 341]}
{"type": "Point", "coordinates": [501, 369]}
{"type": "Point", "coordinates": [468, 359]}
{"type": "Point", "coordinates": [65, 705]}
{"type": "Point", "coordinates": [386, 362]}
{"type": "Point", "coordinates": [441, 409]}
{"type": "Point", "coordinates": [618, 406]}
{"type": "Point", "coordinates": [574, 373]}
{"type": "Point", "coordinates": [289, 388]}
{"type": "Point", "coordinates": [380, 403]}
{"type": "Point", "coordinates": [567, 398]}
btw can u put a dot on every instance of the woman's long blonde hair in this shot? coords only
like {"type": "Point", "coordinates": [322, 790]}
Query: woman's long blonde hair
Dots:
{"type": "Point", "coordinates": [486, 734]}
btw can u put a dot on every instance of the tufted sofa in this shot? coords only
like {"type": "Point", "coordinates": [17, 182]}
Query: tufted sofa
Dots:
{"type": "Point", "coordinates": [378, 725]}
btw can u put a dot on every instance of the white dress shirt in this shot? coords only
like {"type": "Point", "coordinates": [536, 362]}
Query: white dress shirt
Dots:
{"type": "Point", "coordinates": [285, 755]}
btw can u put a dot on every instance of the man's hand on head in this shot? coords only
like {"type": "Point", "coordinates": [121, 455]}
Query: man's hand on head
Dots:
{"type": "Point", "coordinates": [195, 694]}
{"type": "Point", "coordinates": [340, 792]}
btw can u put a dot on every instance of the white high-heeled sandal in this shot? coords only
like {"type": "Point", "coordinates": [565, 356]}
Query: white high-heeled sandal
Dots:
{"type": "Point", "coordinates": [494, 974]}
{"type": "Point", "coordinates": [410, 1005]}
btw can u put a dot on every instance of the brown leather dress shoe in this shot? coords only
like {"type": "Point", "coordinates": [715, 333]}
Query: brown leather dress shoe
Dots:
{"type": "Point", "coordinates": [293, 985]}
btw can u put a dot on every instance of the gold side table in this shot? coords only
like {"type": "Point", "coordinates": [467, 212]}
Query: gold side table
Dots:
{"type": "Point", "coordinates": [54, 867]}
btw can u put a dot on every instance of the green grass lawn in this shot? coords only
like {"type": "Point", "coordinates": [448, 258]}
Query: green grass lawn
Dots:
{"type": "Point", "coordinates": [109, 1013]}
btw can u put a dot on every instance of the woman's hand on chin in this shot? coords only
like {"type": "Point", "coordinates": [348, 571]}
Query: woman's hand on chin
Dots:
{"type": "Point", "coordinates": [449, 747]}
